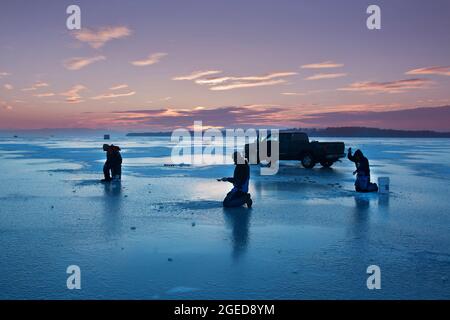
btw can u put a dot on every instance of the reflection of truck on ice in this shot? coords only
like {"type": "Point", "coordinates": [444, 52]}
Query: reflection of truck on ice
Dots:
{"type": "Point", "coordinates": [294, 145]}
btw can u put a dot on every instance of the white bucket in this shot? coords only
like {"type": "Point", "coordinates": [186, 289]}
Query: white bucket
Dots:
{"type": "Point", "coordinates": [383, 185]}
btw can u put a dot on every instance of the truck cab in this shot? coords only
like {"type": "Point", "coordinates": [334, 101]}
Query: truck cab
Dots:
{"type": "Point", "coordinates": [295, 145]}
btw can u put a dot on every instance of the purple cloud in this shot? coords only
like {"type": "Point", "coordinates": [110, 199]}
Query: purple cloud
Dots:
{"type": "Point", "coordinates": [433, 118]}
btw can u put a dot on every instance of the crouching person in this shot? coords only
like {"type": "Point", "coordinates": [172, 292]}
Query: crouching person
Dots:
{"type": "Point", "coordinates": [112, 168]}
{"type": "Point", "coordinates": [362, 183]}
{"type": "Point", "coordinates": [239, 195]}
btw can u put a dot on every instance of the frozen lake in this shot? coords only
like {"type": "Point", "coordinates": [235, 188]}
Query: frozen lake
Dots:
{"type": "Point", "coordinates": [163, 234]}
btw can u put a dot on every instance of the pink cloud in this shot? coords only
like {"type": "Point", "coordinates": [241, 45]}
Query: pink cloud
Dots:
{"type": "Point", "coordinates": [398, 86]}
{"type": "Point", "coordinates": [98, 38]}
{"type": "Point", "coordinates": [36, 86]}
{"type": "Point", "coordinates": [245, 116]}
{"type": "Point", "coordinates": [436, 70]}
{"type": "Point", "coordinates": [150, 60]}
{"type": "Point", "coordinates": [45, 95]}
{"type": "Point", "coordinates": [237, 82]}
{"type": "Point", "coordinates": [322, 76]}
{"type": "Point", "coordinates": [73, 94]}
{"type": "Point", "coordinates": [196, 75]}
{"type": "Point", "coordinates": [322, 65]}
{"type": "Point", "coordinates": [113, 95]}
{"type": "Point", "coordinates": [239, 85]}
{"type": "Point", "coordinates": [81, 62]}
{"type": "Point", "coordinates": [119, 87]}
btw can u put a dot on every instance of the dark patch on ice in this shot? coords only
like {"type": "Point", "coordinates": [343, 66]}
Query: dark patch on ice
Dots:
{"type": "Point", "coordinates": [62, 170]}
{"type": "Point", "coordinates": [85, 183]}
{"type": "Point", "coordinates": [435, 256]}
{"type": "Point", "coordinates": [198, 204]}
{"type": "Point", "coordinates": [180, 290]}
{"type": "Point", "coordinates": [18, 196]}
{"type": "Point", "coordinates": [181, 165]}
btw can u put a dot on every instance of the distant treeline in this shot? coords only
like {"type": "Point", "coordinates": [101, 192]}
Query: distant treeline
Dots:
{"type": "Point", "coordinates": [374, 132]}
{"type": "Point", "coordinates": [149, 134]}
{"type": "Point", "coordinates": [361, 132]}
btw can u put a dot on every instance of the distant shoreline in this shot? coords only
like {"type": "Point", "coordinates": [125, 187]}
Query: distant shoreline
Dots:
{"type": "Point", "coordinates": [345, 132]}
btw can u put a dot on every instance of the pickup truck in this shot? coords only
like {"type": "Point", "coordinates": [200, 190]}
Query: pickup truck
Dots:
{"type": "Point", "coordinates": [294, 145]}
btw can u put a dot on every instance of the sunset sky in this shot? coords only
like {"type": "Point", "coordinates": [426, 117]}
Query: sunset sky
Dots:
{"type": "Point", "coordinates": [161, 64]}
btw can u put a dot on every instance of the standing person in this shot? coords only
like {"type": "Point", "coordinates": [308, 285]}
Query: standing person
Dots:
{"type": "Point", "coordinates": [362, 183]}
{"type": "Point", "coordinates": [239, 195]}
{"type": "Point", "coordinates": [113, 163]}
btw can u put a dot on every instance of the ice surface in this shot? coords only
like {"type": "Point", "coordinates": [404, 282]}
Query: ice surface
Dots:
{"type": "Point", "coordinates": [162, 233]}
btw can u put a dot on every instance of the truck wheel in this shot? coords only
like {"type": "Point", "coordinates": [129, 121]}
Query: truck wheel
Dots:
{"type": "Point", "coordinates": [326, 163]}
{"type": "Point", "coordinates": [308, 161]}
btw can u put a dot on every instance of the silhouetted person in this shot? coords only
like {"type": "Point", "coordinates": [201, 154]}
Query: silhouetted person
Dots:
{"type": "Point", "coordinates": [113, 165]}
{"type": "Point", "coordinates": [239, 195]}
{"type": "Point", "coordinates": [362, 183]}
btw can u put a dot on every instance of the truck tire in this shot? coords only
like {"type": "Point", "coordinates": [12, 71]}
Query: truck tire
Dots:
{"type": "Point", "coordinates": [308, 161]}
{"type": "Point", "coordinates": [326, 163]}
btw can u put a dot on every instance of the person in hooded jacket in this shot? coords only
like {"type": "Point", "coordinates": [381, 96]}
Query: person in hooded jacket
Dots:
{"type": "Point", "coordinates": [239, 195]}
{"type": "Point", "coordinates": [362, 183]}
{"type": "Point", "coordinates": [112, 169]}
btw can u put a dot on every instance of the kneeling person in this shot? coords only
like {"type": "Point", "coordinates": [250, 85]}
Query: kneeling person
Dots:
{"type": "Point", "coordinates": [362, 183]}
{"type": "Point", "coordinates": [239, 195]}
{"type": "Point", "coordinates": [112, 168]}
